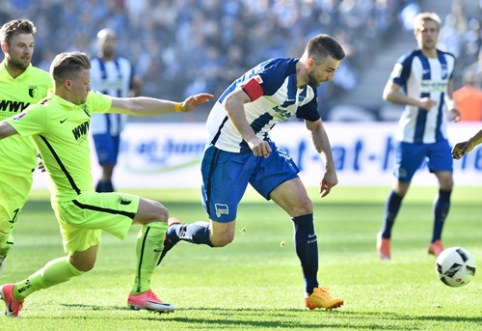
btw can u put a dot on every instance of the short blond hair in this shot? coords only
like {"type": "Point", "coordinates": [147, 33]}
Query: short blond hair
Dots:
{"type": "Point", "coordinates": [66, 65]}
{"type": "Point", "coordinates": [424, 17]}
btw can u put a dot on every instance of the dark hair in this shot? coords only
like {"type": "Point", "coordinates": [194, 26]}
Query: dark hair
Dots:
{"type": "Point", "coordinates": [16, 27]}
{"type": "Point", "coordinates": [66, 65]}
{"type": "Point", "coordinates": [322, 46]}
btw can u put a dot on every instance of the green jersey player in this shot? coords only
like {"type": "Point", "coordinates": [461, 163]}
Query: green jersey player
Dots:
{"type": "Point", "coordinates": [60, 127]}
{"type": "Point", "coordinates": [21, 84]}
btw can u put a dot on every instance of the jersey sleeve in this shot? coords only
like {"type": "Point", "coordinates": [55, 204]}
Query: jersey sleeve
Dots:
{"type": "Point", "coordinates": [268, 77]}
{"type": "Point", "coordinates": [99, 103]}
{"type": "Point", "coordinates": [401, 70]}
{"type": "Point", "coordinates": [33, 120]}
{"type": "Point", "coordinates": [253, 88]}
{"type": "Point", "coordinates": [309, 111]}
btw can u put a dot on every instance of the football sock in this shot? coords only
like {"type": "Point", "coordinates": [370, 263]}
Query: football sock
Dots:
{"type": "Point", "coordinates": [55, 272]}
{"type": "Point", "coordinates": [392, 206]}
{"type": "Point", "coordinates": [306, 247]}
{"type": "Point", "coordinates": [440, 210]}
{"type": "Point", "coordinates": [104, 187]}
{"type": "Point", "coordinates": [196, 233]}
{"type": "Point", "coordinates": [6, 243]}
{"type": "Point", "coordinates": [150, 243]}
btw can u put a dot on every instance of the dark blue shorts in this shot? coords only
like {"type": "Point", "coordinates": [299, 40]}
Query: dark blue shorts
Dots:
{"type": "Point", "coordinates": [107, 148]}
{"type": "Point", "coordinates": [410, 157]}
{"type": "Point", "coordinates": [226, 176]}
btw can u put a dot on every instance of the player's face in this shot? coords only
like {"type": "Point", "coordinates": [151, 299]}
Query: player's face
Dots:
{"type": "Point", "coordinates": [20, 51]}
{"type": "Point", "coordinates": [80, 87]}
{"type": "Point", "coordinates": [427, 35]}
{"type": "Point", "coordinates": [323, 72]}
{"type": "Point", "coordinates": [108, 45]}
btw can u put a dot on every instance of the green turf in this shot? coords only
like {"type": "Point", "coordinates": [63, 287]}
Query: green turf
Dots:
{"type": "Point", "coordinates": [255, 283]}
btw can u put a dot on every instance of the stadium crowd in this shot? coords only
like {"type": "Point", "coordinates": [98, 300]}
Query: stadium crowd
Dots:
{"type": "Point", "coordinates": [183, 47]}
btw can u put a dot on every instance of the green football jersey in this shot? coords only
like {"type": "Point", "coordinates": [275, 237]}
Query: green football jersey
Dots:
{"type": "Point", "coordinates": [61, 132]}
{"type": "Point", "coordinates": [18, 154]}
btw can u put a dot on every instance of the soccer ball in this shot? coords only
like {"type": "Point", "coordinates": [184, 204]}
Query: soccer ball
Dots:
{"type": "Point", "coordinates": [455, 267]}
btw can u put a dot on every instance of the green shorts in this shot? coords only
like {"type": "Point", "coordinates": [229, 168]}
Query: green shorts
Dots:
{"type": "Point", "coordinates": [83, 219]}
{"type": "Point", "coordinates": [13, 196]}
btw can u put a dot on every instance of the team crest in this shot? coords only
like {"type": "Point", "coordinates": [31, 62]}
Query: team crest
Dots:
{"type": "Point", "coordinates": [125, 201]}
{"type": "Point", "coordinates": [445, 71]}
{"type": "Point", "coordinates": [221, 209]}
{"type": "Point", "coordinates": [33, 91]}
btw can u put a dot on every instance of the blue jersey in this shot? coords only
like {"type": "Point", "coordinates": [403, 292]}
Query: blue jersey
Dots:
{"type": "Point", "coordinates": [420, 77]}
{"type": "Point", "coordinates": [112, 78]}
{"type": "Point", "coordinates": [275, 97]}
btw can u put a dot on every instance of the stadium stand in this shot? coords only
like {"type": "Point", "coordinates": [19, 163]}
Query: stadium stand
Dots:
{"type": "Point", "coordinates": [187, 46]}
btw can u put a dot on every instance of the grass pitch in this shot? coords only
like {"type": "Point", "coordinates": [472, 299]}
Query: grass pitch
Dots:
{"type": "Point", "coordinates": [255, 282]}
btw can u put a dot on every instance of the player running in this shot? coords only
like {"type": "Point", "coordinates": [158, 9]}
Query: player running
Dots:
{"type": "Point", "coordinates": [60, 128]}
{"type": "Point", "coordinates": [239, 151]}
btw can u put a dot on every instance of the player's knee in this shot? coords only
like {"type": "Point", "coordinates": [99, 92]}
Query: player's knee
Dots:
{"type": "Point", "coordinates": [152, 211]}
{"type": "Point", "coordinates": [446, 184]}
{"type": "Point", "coordinates": [303, 206]}
{"type": "Point", "coordinates": [162, 213]}
{"type": "Point", "coordinates": [222, 240]}
{"type": "Point", "coordinates": [83, 265]}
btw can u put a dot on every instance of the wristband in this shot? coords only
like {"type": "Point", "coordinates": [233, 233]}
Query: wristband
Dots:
{"type": "Point", "coordinates": [178, 107]}
{"type": "Point", "coordinates": [450, 104]}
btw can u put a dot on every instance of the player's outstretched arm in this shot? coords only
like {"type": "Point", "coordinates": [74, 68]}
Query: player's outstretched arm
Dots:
{"type": "Point", "coordinates": [462, 148]}
{"type": "Point", "coordinates": [145, 106]}
{"type": "Point", "coordinates": [6, 130]}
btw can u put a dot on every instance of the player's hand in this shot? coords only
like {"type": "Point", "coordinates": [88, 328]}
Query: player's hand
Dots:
{"type": "Point", "coordinates": [195, 101]}
{"type": "Point", "coordinates": [427, 103]}
{"type": "Point", "coordinates": [460, 149]}
{"type": "Point", "coordinates": [455, 115]}
{"type": "Point", "coordinates": [259, 147]}
{"type": "Point", "coordinates": [329, 180]}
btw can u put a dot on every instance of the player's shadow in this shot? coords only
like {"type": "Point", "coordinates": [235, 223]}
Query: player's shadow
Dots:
{"type": "Point", "coordinates": [230, 317]}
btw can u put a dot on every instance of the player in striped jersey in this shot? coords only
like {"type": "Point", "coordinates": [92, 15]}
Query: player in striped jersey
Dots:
{"type": "Point", "coordinates": [112, 75]}
{"type": "Point", "coordinates": [422, 81]}
{"type": "Point", "coordinates": [21, 84]}
{"type": "Point", "coordinates": [240, 152]}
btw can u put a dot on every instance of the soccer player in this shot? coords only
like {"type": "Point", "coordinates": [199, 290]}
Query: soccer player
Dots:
{"type": "Point", "coordinates": [422, 81]}
{"type": "Point", "coordinates": [239, 151]}
{"type": "Point", "coordinates": [21, 84]}
{"type": "Point", "coordinates": [60, 128]}
{"type": "Point", "coordinates": [113, 75]}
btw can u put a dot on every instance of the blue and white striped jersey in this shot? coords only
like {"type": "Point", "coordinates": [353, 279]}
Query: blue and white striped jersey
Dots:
{"type": "Point", "coordinates": [423, 77]}
{"type": "Point", "coordinates": [113, 78]}
{"type": "Point", "coordinates": [275, 97]}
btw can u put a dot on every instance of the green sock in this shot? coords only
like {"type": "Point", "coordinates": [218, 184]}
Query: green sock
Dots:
{"type": "Point", "coordinates": [53, 273]}
{"type": "Point", "coordinates": [150, 243]}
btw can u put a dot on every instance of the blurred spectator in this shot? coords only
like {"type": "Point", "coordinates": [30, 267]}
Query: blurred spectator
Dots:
{"type": "Point", "coordinates": [469, 97]}
{"type": "Point", "coordinates": [181, 46]}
